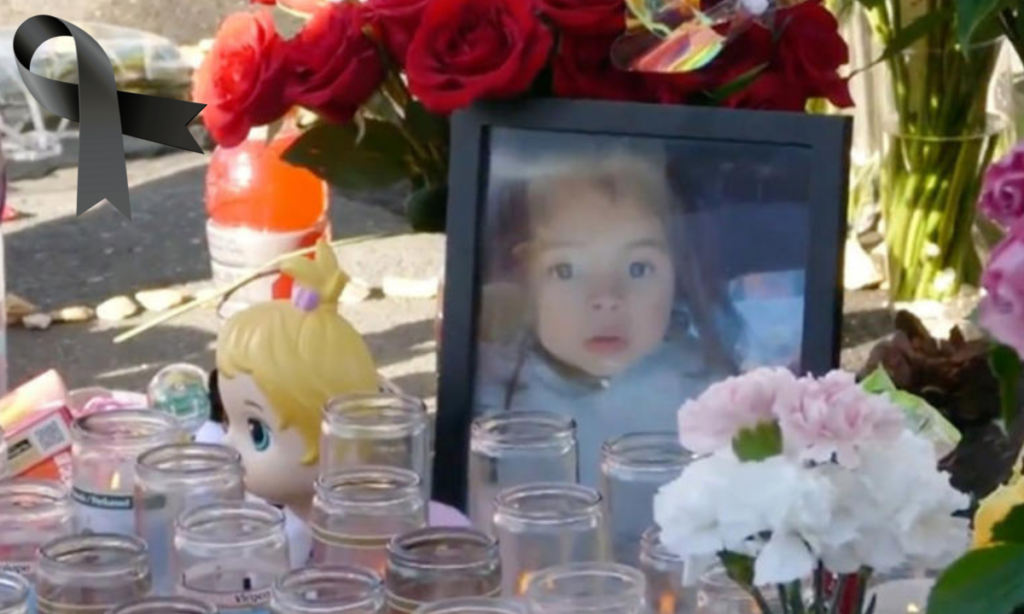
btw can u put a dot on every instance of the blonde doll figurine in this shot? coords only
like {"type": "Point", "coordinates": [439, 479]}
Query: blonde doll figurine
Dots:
{"type": "Point", "coordinates": [278, 364]}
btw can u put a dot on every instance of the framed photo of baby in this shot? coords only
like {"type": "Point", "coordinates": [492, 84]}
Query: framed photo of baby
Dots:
{"type": "Point", "coordinates": [609, 261]}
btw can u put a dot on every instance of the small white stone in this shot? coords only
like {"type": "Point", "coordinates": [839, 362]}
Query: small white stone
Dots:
{"type": "Point", "coordinates": [400, 287]}
{"type": "Point", "coordinates": [159, 300]}
{"type": "Point", "coordinates": [74, 313]}
{"type": "Point", "coordinates": [355, 291]}
{"type": "Point", "coordinates": [116, 309]}
{"type": "Point", "coordinates": [37, 321]}
{"type": "Point", "coordinates": [859, 269]}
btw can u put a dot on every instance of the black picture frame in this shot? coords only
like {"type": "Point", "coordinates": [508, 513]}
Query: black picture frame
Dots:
{"type": "Point", "coordinates": [829, 138]}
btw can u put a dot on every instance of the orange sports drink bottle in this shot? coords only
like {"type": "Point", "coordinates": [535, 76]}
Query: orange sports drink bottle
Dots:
{"type": "Point", "coordinates": [260, 207]}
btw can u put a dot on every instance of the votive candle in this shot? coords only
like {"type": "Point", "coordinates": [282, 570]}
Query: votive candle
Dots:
{"type": "Point", "coordinates": [165, 605]}
{"type": "Point", "coordinates": [587, 588]}
{"type": "Point", "coordinates": [335, 589]}
{"type": "Point", "coordinates": [32, 513]}
{"type": "Point", "coordinates": [90, 574]}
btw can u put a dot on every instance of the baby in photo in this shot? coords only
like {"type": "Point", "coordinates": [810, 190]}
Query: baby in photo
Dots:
{"type": "Point", "coordinates": [597, 321]}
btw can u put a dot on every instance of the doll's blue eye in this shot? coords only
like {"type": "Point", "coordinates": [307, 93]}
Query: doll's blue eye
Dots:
{"type": "Point", "coordinates": [260, 434]}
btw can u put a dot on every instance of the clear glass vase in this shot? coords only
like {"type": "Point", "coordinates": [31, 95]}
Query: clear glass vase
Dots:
{"type": "Point", "coordinates": [937, 146]}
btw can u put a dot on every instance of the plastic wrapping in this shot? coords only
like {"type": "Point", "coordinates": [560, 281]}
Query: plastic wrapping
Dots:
{"type": "Point", "coordinates": [143, 63]}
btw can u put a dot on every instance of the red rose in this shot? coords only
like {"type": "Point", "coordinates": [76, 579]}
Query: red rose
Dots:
{"type": "Point", "coordinates": [466, 50]}
{"type": "Point", "coordinates": [336, 68]}
{"type": "Point", "coordinates": [396, 22]}
{"type": "Point", "coordinates": [267, 2]}
{"type": "Point", "coordinates": [770, 91]}
{"type": "Point", "coordinates": [585, 17]}
{"type": "Point", "coordinates": [242, 79]}
{"type": "Point", "coordinates": [583, 68]}
{"type": "Point", "coordinates": [810, 52]}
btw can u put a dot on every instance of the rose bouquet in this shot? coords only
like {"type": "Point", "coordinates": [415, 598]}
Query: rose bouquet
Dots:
{"type": "Point", "coordinates": [808, 486]}
{"type": "Point", "coordinates": [382, 76]}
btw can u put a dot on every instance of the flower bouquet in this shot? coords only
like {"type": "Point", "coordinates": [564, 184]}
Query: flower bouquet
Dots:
{"type": "Point", "coordinates": [807, 487]}
{"type": "Point", "coordinates": [382, 76]}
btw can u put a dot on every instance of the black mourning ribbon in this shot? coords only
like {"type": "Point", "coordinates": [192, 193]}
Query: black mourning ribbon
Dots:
{"type": "Point", "coordinates": [102, 112]}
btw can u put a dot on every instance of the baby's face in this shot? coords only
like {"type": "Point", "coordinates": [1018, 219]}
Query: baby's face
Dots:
{"type": "Point", "coordinates": [602, 281]}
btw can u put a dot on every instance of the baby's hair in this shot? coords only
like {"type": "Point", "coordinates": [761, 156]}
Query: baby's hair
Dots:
{"type": "Point", "coordinates": [300, 352]}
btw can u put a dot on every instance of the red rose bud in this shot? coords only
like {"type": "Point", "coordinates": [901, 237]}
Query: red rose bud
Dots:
{"type": "Point", "coordinates": [811, 50]}
{"type": "Point", "coordinates": [466, 50]}
{"type": "Point", "coordinates": [242, 79]}
{"type": "Point", "coordinates": [335, 66]}
{"type": "Point", "coordinates": [396, 22]}
{"type": "Point", "coordinates": [585, 17]}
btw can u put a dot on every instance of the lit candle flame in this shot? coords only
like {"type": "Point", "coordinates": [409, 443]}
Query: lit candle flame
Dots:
{"type": "Point", "coordinates": [115, 481]}
{"type": "Point", "coordinates": [667, 603]}
{"type": "Point", "coordinates": [913, 609]}
{"type": "Point", "coordinates": [524, 579]}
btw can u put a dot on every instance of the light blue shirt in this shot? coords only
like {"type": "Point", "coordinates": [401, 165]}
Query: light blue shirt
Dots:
{"type": "Point", "coordinates": [644, 398]}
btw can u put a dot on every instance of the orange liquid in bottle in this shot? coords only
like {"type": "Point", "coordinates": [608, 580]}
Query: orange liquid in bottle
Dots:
{"type": "Point", "coordinates": [251, 186]}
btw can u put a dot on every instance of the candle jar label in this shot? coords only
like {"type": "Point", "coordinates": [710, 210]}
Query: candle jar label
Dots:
{"type": "Point", "coordinates": [242, 602]}
{"type": "Point", "coordinates": [22, 568]}
{"type": "Point", "coordinates": [103, 513]}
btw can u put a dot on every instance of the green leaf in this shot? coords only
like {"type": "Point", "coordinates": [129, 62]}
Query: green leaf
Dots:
{"type": "Point", "coordinates": [425, 126]}
{"type": "Point", "coordinates": [759, 442]}
{"type": "Point", "coordinates": [985, 581]}
{"type": "Point", "coordinates": [739, 567]}
{"type": "Point", "coordinates": [370, 155]}
{"type": "Point", "coordinates": [1007, 368]}
{"type": "Point", "coordinates": [1010, 530]}
{"type": "Point", "coordinates": [972, 13]}
{"type": "Point", "coordinates": [907, 36]}
{"type": "Point", "coordinates": [737, 85]}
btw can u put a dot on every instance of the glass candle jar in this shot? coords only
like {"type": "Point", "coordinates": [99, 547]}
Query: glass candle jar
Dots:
{"type": "Point", "coordinates": [475, 605]}
{"type": "Point", "coordinates": [230, 554]}
{"type": "Point", "coordinates": [546, 524]}
{"type": "Point", "coordinates": [341, 589]}
{"type": "Point", "coordinates": [633, 468]}
{"type": "Point", "coordinates": [32, 513]}
{"type": "Point", "coordinates": [170, 479]}
{"type": "Point", "coordinates": [90, 574]}
{"type": "Point", "coordinates": [15, 592]}
{"type": "Point", "coordinates": [165, 605]}
{"type": "Point", "coordinates": [591, 588]}
{"type": "Point", "coordinates": [438, 562]}
{"type": "Point", "coordinates": [382, 428]}
{"type": "Point", "coordinates": [717, 593]}
{"type": "Point", "coordinates": [514, 448]}
{"type": "Point", "coordinates": [104, 449]}
{"type": "Point", "coordinates": [663, 572]}
{"type": "Point", "coordinates": [356, 512]}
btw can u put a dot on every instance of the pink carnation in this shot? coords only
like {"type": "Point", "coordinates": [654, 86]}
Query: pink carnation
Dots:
{"type": "Point", "coordinates": [1002, 193]}
{"type": "Point", "coordinates": [709, 422]}
{"type": "Point", "coordinates": [1002, 308]}
{"type": "Point", "coordinates": [833, 417]}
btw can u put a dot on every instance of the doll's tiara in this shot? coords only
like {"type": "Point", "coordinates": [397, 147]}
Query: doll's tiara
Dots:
{"type": "Point", "coordinates": [305, 298]}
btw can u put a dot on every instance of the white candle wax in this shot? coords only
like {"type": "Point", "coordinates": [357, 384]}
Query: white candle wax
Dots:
{"type": "Point", "coordinates": [902, 596]}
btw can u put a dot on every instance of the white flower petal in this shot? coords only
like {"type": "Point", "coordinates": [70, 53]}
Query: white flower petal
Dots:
{"type": "Point", "coordinates": [784, 558]}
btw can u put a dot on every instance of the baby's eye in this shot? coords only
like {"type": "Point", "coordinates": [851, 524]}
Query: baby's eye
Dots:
{"type": "Point", "coordinates": [561, 271]}
{"type": "Point", "coordinates": [640, 269]}
{"type": "Point", "coordinates": [260, 434]}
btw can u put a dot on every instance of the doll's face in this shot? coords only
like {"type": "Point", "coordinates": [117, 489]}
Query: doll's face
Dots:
{"type": "Point", "coordinates": [602, 280]}
{"type": "Point", "coordinates": [272, 457]}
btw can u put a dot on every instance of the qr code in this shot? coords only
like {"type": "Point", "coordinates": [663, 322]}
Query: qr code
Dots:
{"type": "Point", "coordinates": [51, 435]}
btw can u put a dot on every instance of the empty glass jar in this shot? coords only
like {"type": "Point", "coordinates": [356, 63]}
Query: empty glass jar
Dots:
{"type": "Point", "coordinates": [15, 592]}
{"type": "Point", "coordinates": [587, 588]}
{"type": "Point", "coordinates": [377, 429]}
{"type": "Point", "coordinates": [633, 468]}
{"type": "Point", "coordinates": [357, 511]}
{"type": "Point", "coordinates": [165, 605]}
{"type": "Point", "coordinates": [104, 449]}
{"type": "Point", "coordinates": [475, 605]}
{"type": "Point", "coordinates": [170, 479]}
{"type": "Point", "coordinates": [663, 571]}
{"type": "Point", "coordinates": [513, 448]}
{"type": "Point", "coordinates": [717, 593]}
{"type": "Point", "coordinates": [340, 589]}
{"type": "Point", "coordinates": [541, 525]}
{"type": "Point", "coordinates": [230, 554]}
{"type": "Point", "coordinates": [32, 513]}
{"type": "Point", "coordinates": [90, 574]}
{"type": "Point", "coordinates": [436, 563]}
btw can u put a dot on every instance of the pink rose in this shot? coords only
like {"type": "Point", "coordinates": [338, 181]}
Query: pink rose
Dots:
{"type": "Point", "coordinates": [832, 417]}
{"type": "Point", "coordinates": [709, 422]}
{"type": "Point", "coordinates": [1002, 192]}
{"type": "Point", "coordinates": [1002, 308]}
